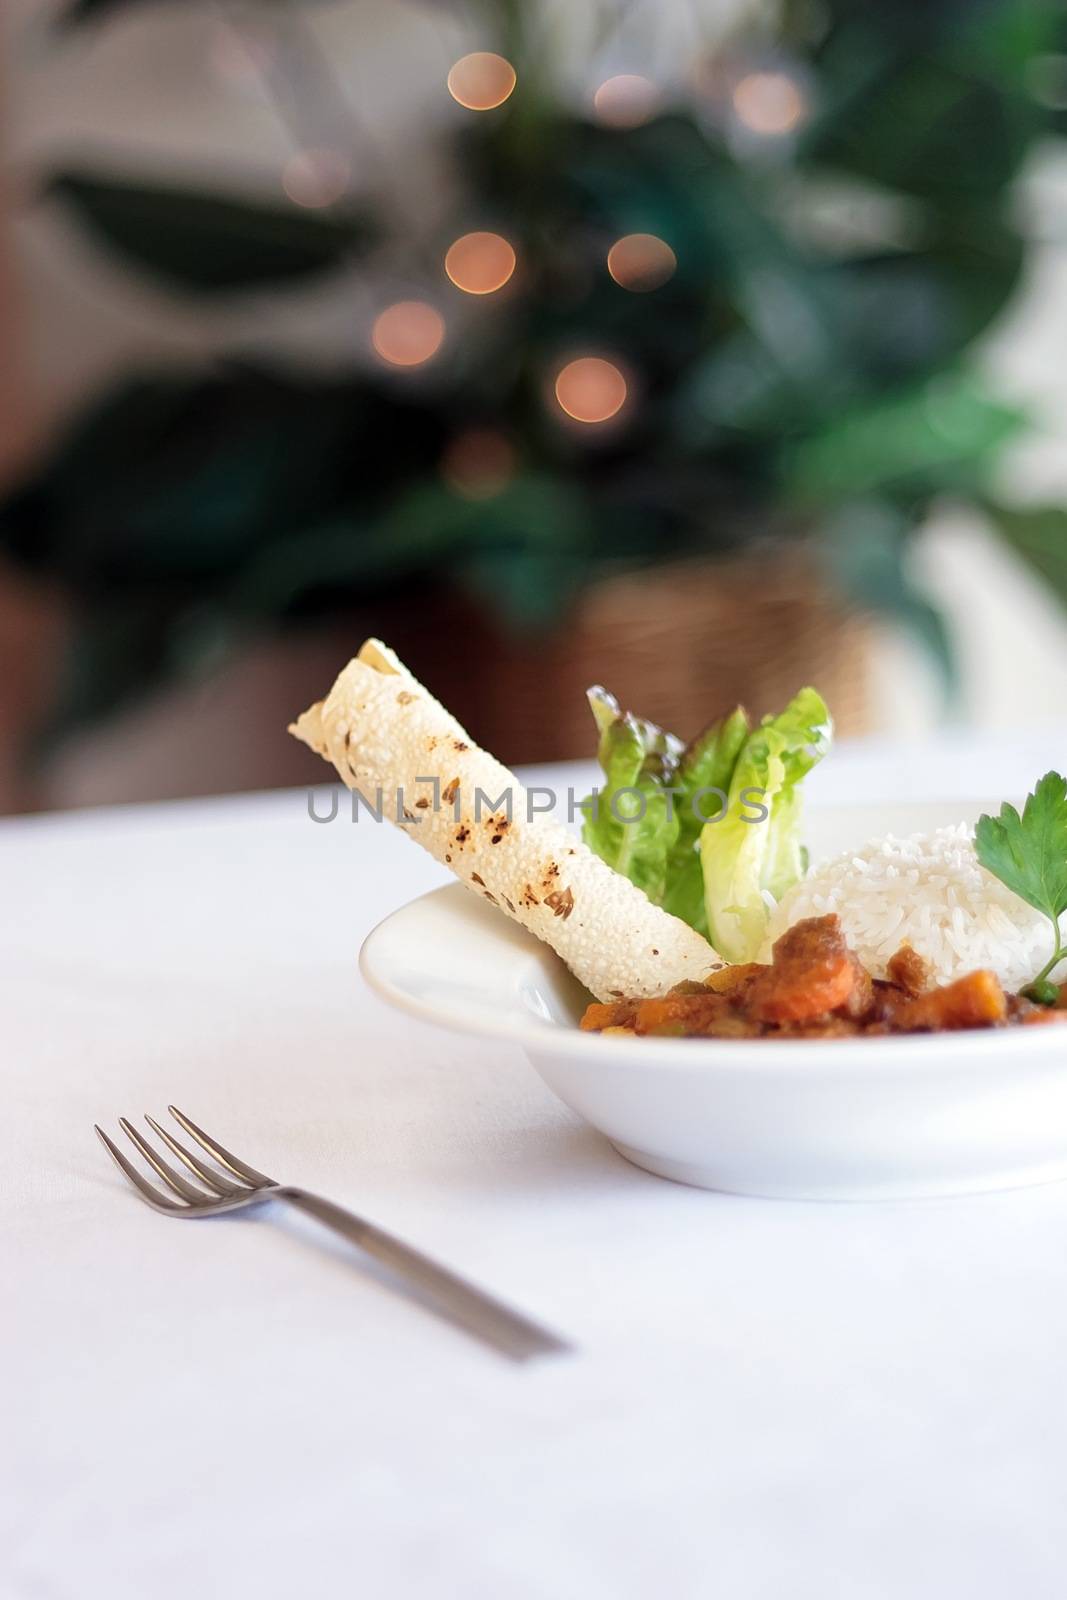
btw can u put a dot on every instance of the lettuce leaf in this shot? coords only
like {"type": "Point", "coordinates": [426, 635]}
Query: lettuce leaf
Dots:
{"type": "Point", "coordinates": [703, 780]}
{"type": "Point", "coordinates": [709, 830]}
{"type": "Point", "coordinates": [639, 762]}
{"type": "Point", "coordinates": [654, 778]}
{"type": "Point", "coordinates": [748, 857]}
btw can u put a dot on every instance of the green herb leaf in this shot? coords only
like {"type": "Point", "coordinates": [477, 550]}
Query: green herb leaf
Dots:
{"type": "Point", "coordinates": [1028, 853]}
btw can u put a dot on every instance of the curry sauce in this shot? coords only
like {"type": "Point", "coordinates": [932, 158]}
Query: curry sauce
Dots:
{"type": "Point", "coordinates": [815, 987]}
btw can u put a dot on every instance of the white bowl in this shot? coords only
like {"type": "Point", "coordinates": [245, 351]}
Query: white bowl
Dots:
{"type": "Point", "coordinates": [834, 1119]}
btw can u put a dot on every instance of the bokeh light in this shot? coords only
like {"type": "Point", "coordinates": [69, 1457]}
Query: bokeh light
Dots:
{"type": "Point", "coordinates": [769, 103]}
{"type": "Point", "coordinates": [408, 333]}
{"type": "Point", "coordinates": [480, 263]}
{"type": "Point", "coordinates": [478, 463]}
{"type": "Point", "coordinates": [316, 178]}
{"type": "Point", "coordinates": [626, 101]}
{"type": "Point", "coordinates": [481, 81]}
{"type": "Point", "coordinates": [590, 389]}
{"type": "Point", "coordinates": [641, 261]}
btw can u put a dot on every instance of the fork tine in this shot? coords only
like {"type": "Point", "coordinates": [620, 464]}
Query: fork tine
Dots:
{"type": "Point", "coordinates": [148, 1191]}
{"type": "Point", "coordinates": [215, 1180]}
{"type": "Point", "coordinates": [230, 1162]}
{"type": "Point", "coordinates": [172, 1179]}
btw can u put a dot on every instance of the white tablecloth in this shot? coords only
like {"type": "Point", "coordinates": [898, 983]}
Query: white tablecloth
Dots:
{"type": "Point", "coordinates": [772, 1401]}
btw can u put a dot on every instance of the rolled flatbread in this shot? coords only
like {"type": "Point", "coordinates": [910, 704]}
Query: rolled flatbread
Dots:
{"type": "Point", "coordinates": [411, 761]}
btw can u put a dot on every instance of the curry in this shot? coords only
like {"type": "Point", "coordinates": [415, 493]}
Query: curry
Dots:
{"type": "Point", "coordinates": [815, 987]}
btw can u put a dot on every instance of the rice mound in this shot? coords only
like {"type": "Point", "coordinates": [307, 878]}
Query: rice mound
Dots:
{"type": "Point", "coordinates": [930, 891]}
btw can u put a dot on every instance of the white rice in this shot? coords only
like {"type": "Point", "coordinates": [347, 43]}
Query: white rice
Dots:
{"type": "Point", "coordinates": [928, 891]}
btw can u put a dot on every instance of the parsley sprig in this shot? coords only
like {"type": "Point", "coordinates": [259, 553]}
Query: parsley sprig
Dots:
{"type": "Point", "coordinates": [1028, 853]}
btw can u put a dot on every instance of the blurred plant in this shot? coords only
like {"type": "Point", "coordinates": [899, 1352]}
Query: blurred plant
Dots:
{"type": "Point", "coordinates": [693, 320]}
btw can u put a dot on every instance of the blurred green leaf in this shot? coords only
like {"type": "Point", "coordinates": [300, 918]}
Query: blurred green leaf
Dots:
{"type": "Point", "coordinates": [906, 313]}
{"type": "Point", "coordinates": [964, 139]}
{"type": "Point", "coordinates": [207, 243]}
{"type": "Point", "coordinates": [1039, 535]}
{"type": "Point", "coordinates": [79, 11]}
{"type": "Point", "coordinates": [523, 548]}
{"type": "Point", "coordinates": [930, 99]}
{"type": "Point", "coordinates": [943, 432]}
{"type": "Point", "coordinates": [186, 480]}
{"type": "Point", "coordinates": [116, 653]}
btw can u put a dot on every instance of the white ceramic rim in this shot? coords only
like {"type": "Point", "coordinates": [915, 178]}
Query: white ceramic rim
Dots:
{"type": "Point", "coordinates": [980, 1048]}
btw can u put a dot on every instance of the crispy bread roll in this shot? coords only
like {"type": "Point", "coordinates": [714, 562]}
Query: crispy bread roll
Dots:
{"type": "Point", "coordinates": [384, 732]}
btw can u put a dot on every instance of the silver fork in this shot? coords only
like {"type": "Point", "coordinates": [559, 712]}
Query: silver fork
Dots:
{"type": "Point", "coordinates": [435, 1286]}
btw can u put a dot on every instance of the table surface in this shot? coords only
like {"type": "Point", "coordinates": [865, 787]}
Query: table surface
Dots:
{"type": "Point", "coordinates": [771, 1400]}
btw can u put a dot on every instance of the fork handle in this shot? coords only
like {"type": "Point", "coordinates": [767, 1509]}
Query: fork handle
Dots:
{"type": "Point", "coordinates": [427, 1281]}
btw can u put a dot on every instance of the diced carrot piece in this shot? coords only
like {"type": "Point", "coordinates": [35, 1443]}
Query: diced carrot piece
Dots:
{"type": "Point", "coordinates": [652, 1014]}
{"type": "Point", "coordinates": [975, 1001]}
{"type": "Point", "coordinates": [813, 973]}
{"type": "Point", "coordinates": [809, 995]}
{"type": "Point", "coordinates": [596, 1017]}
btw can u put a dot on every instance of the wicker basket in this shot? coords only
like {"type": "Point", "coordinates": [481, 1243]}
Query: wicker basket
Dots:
{"type": "Point", "coordinates": [679, 644]}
